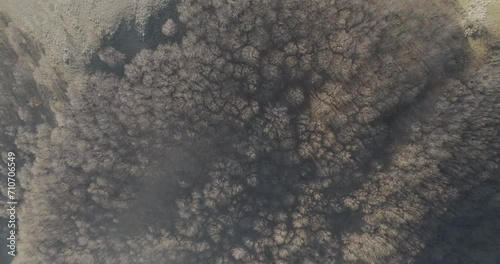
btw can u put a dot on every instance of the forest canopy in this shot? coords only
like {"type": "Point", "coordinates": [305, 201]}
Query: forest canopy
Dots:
{"type": "Point", "coordinates": [260, 131]}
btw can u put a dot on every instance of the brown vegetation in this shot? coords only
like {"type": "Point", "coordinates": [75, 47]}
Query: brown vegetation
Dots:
{"type": "Point", "coordinates": [272, 132]}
